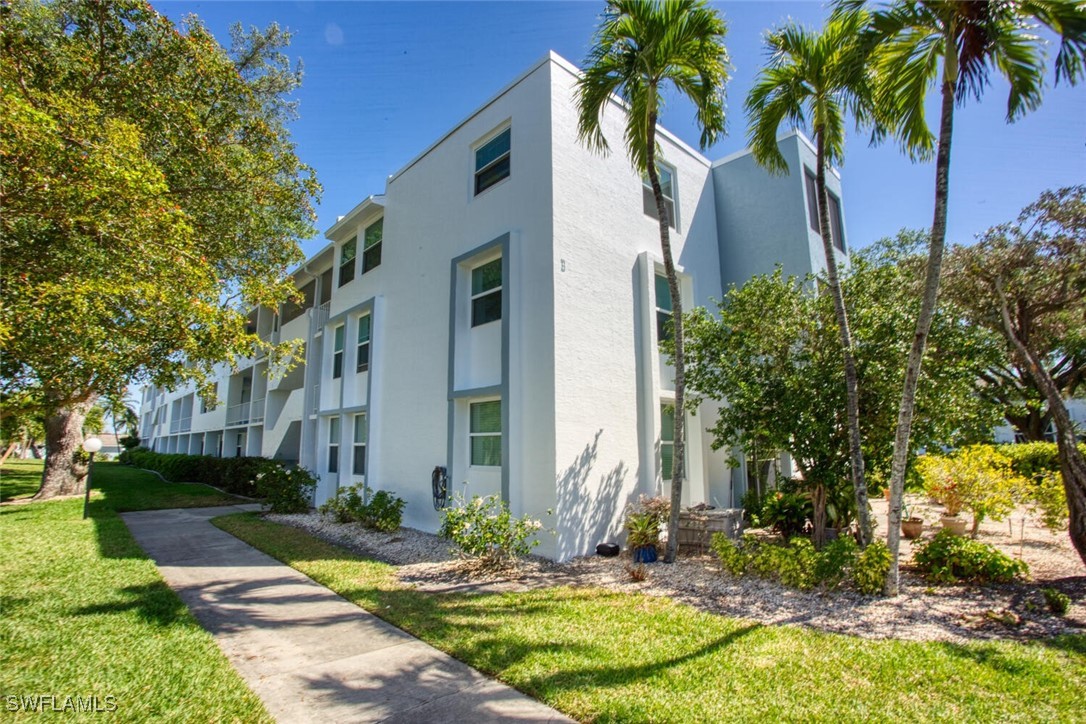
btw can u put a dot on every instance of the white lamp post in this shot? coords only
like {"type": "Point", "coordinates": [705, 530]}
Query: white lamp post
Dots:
{"type": "Point", "coordinates": [91, 445]}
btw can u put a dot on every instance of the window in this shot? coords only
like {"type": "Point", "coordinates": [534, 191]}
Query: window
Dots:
{"type": "Point", "coordinates": [371, 254]}
{"type": "Point", "coordinates": [667, 187]}
{"type": "Point", "coordinates": [337, 354]}
{"type": "Point", "coordinates": [358, 466]}
{"type": "Point", "coordinates": [486, 433]}
{"type": "Point", "coordinates": [492, 161]}
{"type": "Point", "coordinates": [486, 293]}
{"type": "Point", "coordinates": [346, 261]}
{"type": "Point", "coordinates": [239, 447]}
{"type": "Point", "coordinates": [663, 309]}
{"type": "Point", "coordinates": [333, 445]}
{"type": "Point", "coordinates": [667, 441]}
{"type": "Point", "coordinates": [812, 210]}
{"type": "Point", "coordinates": [363, 362]}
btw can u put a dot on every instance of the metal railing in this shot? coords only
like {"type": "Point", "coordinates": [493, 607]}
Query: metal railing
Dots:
{"type": "Point", "coordinates": [256, 412]}
{"type": "Point", "coordinates": [322, 315]}
{"type": "Point", "coordinates": [238, 414]}
{"type": "Point", "coordinates": [316, 406]}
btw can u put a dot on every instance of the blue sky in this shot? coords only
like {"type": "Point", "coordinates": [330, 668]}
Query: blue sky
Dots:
{"type": "Point", "coordinates": [384, 80]}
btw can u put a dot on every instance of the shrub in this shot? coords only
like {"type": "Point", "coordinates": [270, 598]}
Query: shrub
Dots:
{"type": "Point", "coordinates": [383, 512]}
{"type": "Point", "coordinates": [752, 507]}
{"type": "Point", "coordinates": [786, 512]}
{"type": "Point", "coordinates": [129, 442]}
{"type": "Point", "coordinates": [484, 530]}
{"type": "Point", "coordinates": [1057, 602]}
{"type": "Point", "coordinates": [735, 557]}
{"type": "Point", "coordinates": [869, 570]}
{"type": "Point", "coordinates": [285, 490]}
{"type": "Point", "coordinates": [1048, 500]}
{"type": "Point", "coordinates": [948, 558]}
{"type": "Point", "coordinates": [835, 559]}
{"type": "Point", "coordinates": [796, 563]}
{"type": "Point", "coordinates": [644, 521]}
{"type": "Point", "coordinates": [976, 477]}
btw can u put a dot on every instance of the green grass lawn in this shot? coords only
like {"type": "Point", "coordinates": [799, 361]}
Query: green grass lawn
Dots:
{"type": "Point", "coordinates": [604, 656]}
{"type": "Point", "coordinates": [83, 612]}
{"type": "Point", "coordinates": [19, 479]}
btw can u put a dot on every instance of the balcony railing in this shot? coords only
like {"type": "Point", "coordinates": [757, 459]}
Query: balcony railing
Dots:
{"type": "Point", "coordinates": [256, 413]}
{"type": "Point", "coordinates": [238, 414]}
{"type": "Point", "coordinates": [322, 315]}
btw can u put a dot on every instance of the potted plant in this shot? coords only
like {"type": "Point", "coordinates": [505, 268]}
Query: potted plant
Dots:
{"type": "Point", "coordinates": [911, 526]}
{"type": "Point", "coordinates": [643, 535]}
{"type": "Point", "coordinates": [940, 482]}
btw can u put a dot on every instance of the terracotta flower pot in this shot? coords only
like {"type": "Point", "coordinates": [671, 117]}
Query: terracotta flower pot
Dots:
{"type": "Point", "coordinates": [911, 528]}
{"type": "Point", "coordinates": [954, 523]}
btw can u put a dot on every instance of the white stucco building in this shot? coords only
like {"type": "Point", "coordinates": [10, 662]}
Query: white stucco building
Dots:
{"type": "Point", "coordinates": [493, 311]}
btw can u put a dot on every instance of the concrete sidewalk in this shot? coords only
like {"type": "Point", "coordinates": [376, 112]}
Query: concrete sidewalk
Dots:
{"type": "Point", "coordinates": [309, 654]}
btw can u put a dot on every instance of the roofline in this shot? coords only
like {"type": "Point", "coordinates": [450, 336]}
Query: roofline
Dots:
{"type": "Point", "coordinates": [784, 137]}
{"type": "Point", "coordinates": [366, 204]}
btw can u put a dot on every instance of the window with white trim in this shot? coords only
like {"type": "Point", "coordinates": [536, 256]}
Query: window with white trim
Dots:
{"type": "Point", "coordinates": [667, 188]}
{"type": "Point", "coordinates": [492, 161]}
{"type": "Point", "coordinates": [333, 444]}
{"type": "Point", "coordinates": [358, 448]}
{"type": "Point", "coordinates": [486, 433]}
{"type": "Point", "coordinates": [667, 441]}
{"type": "Point", "coordinates": [371, 245]}
{"type": "Point", "coordinates": [363, 351]}
{"type": "Point", "coordinates": [346, 260]}
{"type": "Point", "coordinates": [337, 353]}
{"type": "Point", "coordinates": [664, 331]}
{"type": "Point", "coordinates": [486, 293]}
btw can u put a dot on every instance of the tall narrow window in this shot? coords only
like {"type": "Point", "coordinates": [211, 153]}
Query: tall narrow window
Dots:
{"type": "Point", "coordinates": [834, 204]}
{"type": "Point", "coordinates": [486, 293]}
{"type": "Point", "coordinates": [358, 464]}
{"type": "Point", "coordinates": [667, 188]}
{"type": "Point", "coordinates": [371, 246]}
{"type": "Point", "coordinates": [486, 433]}
{"type": "Point", "coordinates": [492, 161]}
{"type": "Point", "coordinates": [363, 362]}
{"type": "Point", "coordinates": [667, 441]}
{"type": "Point", "coordinates": [333, 445]}
{"type": "Point", "coordinates": [835, 221]}
{"type": "Point", "coordinates": [663, 309]}
{"type": "Point", "coordinates": [337, 354]}
{"type": "Point", "coordinates": [346, 261]}
{"type": "Point", "coordinates": [812, 200]}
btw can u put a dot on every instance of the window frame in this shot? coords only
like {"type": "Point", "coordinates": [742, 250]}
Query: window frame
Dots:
{"type": "Point", "coordinates": [357, 446]}
{"type": "Point", "coordinates": [473, 434]}
{"type": "Point", "coordinates": [338, 340]}
{"type": "Point", "coordinates": [347, 265]}
{"type": "Point", "coordinates": [663, 314]}
{"type": "Point", "coordinates": [485, 293]}
{"type": "Point", "coordinates": [369, 247]}
{"type": "Point", "coordinates": [332, 464]}
{"type": "Point", "coordinates": [505, 157]}
{"type": "Point", "coordinates": [667, 410]}
{"type": "Point", "coordinates": [361, 366]}
{"type": "Point", "coordinates": [648, 198]}
{"type": "Point", "coordinates": [834, 202]}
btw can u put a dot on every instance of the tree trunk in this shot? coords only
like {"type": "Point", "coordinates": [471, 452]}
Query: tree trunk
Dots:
{"type": "Point", "coordinates": [923, 324]}
{"type": "Point", "coordinates": [678, 467]}
{"type": "Point", "coordinates": [65, 472]}
{"type": "Point", "coordinates": [1072, 463]}
{"type": "Point", "coordinates": [856, 456]}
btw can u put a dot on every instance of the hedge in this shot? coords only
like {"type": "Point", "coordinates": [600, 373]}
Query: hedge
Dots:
{"type": "Point", "coordinates": [234, 475]}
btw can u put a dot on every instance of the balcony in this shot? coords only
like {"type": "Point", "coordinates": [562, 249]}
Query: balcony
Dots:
{"type": "Point", "coordinates": [256, 413]}
{"type": "Point", "coordinates": [239, 414]}
{"type": "Point", "coordinates": [322, 315]}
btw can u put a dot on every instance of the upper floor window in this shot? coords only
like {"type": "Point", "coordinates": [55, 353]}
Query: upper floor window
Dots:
{"type": "Point", "coordinates": [346, 260]}
{"type": "Point", "coordinates": [486, 293]}
{"type": "Point", "coordinates": [486, 433]}
{"type": "Point", "coordinates": [363, 356]}
{"type": "Point", "coordinates": [667, 188]}
{"type": "Point", "coordinates": [492, 161]}
{"type": "Point", "coordinates": [337, 353]}
{"type": "Point", "coordinates": [812, 210]}
{"type": "Point", "coordinates": [663, 309]}
{"type": "Point", "coordinates": [371, 245]}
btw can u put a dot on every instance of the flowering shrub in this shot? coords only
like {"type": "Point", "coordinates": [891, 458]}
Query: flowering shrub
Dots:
{"type": "Point", "coordinates": [484, 530]}
{"type": "Point", "coordinates": [976, 477]}
{"type": "Point", "coordinates": [285, 490]}
{"type": "Point", "coordinates": [383, 512]}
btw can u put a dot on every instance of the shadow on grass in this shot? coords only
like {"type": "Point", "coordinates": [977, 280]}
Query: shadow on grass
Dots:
{"type": "Point", "coordinates": [153, 602]}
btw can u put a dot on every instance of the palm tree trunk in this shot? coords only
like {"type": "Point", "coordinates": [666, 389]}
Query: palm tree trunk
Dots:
{"type": "Point", "coordinates": [678, 471]}
{"type": "Point", "coordinates": [1072, 463]}
{"type": "Point", "coordinates": [923, 326]}
{"type": "Point", "coordinates": [856, 456]}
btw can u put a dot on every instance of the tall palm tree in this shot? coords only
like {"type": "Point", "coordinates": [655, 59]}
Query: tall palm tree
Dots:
{"type": "Point", "coordinates": [918, 43]}
{"type": "Point", "coordinates": [639, 48]}
{"type": "Point", "coordinates": [820, 76]}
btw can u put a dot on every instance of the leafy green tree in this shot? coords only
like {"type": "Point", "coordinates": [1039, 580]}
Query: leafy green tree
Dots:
{"type": "Point", "coordinates": [1027, 282]}
{"type": "Point", "coordinates": [773, 355]}
{"type": "Point", "coordinates": [640, 47]}
{"type": "Point", "coordinates": [955, 46]}
{"type": "Point", "coordinates": [821, 77]}
{"type": "Point", "coordinates": [151, 195]}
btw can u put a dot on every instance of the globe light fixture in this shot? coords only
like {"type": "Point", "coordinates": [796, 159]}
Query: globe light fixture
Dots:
{"type": "Point", "coordinates": [90, 445]}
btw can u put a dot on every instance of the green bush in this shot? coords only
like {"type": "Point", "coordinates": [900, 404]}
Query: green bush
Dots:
{"type": "Point", "coordinates": [484, 530]}
{"type": "Point", "coordinates": [735, 557]}
{"type": "Point", "coordinates": [786, 512]}
{"type": "Point", "coordinates": [796, 563]}
{"type": "Point", "coordinates": [870, 568]}
{"type": "Point", "coordinates": [285, 490]}
{"type": "Point", "coordinates": [383, 512]}
{"type": "Point", "coordinates": [1048, 500]}
{"type": "Point", "coordinates": [234, 475]}
{"type": "Point", "coordinates": [835, 559]}
{"type": "Point", "coordinates": [975, 477]}
{"type": "Point", "coordinates": [948, 558]}
{"type": "Point", "coordinates": [1057, 602]}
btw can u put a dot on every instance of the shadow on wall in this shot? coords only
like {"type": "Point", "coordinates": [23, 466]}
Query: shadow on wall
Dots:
{"type": "Point", "coordinates": [589, 511]}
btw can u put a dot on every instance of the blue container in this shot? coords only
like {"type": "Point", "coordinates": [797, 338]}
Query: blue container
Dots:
{"type": "Point", "coordinates": [645, 554]}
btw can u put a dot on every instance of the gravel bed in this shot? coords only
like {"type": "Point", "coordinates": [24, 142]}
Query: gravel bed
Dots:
{"type": "Point", "coordinates": [921, 612]}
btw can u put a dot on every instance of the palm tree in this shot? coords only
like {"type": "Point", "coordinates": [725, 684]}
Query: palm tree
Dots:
{"type": "Point", "coordinates": [640, 47]}
{"type": "Point", "coordinates": [918, 43]}
{"type": "Point", "coordinates": [820, 76]}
